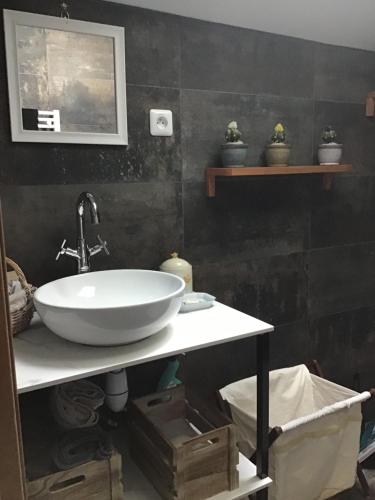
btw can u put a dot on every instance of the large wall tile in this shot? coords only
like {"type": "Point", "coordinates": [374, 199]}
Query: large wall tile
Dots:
{"type": "Point", "coordinates": [145, 158]}
{"type": "Point", "coordinates": [344, 344]}
{"type": "Point", "coordinates": [250, 218]}
{"type": "Point", "coordinates": [256, 117]}
{"type": "Point", "coordinates": [354, 130]}
{"type": "Point", "coordinates": [331, 340]}
{"type": "Point", "coordinates": [207, 370]}
{"type": "Point", "coordinates": [141, 222]}
{"type": "Point", "coordinates": [274, 289]}
{"type": "Point", "coordinates": [341, 278]}
{"type": "Point", "coordinates": [284, 66]}
{"type": "Point", "coordinates": [152, 47]}
{"type": "Point", "coordinates": [224, 364]}
{"type": "Point", "coordinates": [290, 345]}
{"type": "Point", "coordinates": [351, 201]}
{"type": "Point", "coordinates": [343, 74]}
{"type": "Point", "coordinates": [219, 57]}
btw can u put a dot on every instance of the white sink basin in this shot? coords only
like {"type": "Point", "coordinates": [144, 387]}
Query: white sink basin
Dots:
{"type": "Point", "coordinates": [110, 307]}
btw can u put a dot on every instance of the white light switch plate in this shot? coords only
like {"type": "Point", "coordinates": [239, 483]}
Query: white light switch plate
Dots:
{"type": "Point", "coordinates": [161, 122]}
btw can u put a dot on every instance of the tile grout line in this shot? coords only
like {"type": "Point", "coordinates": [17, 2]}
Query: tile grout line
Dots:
{"type": "Point", "coordinates": [182, 192]}
{"type": "Point", "coordinates": [342, 245]}
{"type": "Point", "coordinates": [317, 316]}
{"type": "Point", "coordinates": [246, 94]}
{"type": "Point", "coordinates": [303, 252]}
{"type": "Point", "coordinates": [308, 255]}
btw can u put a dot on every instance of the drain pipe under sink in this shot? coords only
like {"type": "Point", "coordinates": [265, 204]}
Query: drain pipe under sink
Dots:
{"type": "Point", "coordinates": [116, 390]}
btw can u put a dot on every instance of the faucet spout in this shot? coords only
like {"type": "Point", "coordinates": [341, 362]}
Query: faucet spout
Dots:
{"type": "Point", "coordinates": [88, 198]}
{"type": "Point", "coordinates": [85, 199]}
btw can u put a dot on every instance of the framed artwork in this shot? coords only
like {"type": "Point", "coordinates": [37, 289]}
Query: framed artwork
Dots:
{"type": "Point", "coordinates": [66, 80]}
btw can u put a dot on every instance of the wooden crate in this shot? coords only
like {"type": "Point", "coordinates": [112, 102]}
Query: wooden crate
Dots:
{"type": "Point", "coordinates": [96, 480]}
{"type": "Point", "coordinates": [183, 454]}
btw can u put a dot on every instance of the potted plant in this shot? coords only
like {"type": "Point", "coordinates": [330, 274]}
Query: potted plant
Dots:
{"type": "Point", "coordinates": [278, 151]}
{"type": "Point", "coordinates": [233, 152]}
{"type": "Point", "coordinates": [330, 152]}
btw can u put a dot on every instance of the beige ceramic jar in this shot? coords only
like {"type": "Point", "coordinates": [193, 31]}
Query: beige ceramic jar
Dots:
{"type": "Point", "coordinates": [181, 268]}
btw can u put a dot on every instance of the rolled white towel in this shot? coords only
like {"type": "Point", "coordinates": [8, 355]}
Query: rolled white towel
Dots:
{"type": "Point", "coordinates": [17, 296]}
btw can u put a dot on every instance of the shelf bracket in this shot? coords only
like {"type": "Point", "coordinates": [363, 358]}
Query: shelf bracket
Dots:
{"type": "Point", "coordinates": [370, 104]}
{"type": "Point", "coordinates": [210, 184]}
{"type": "Point", "coordinates": [327, 181]}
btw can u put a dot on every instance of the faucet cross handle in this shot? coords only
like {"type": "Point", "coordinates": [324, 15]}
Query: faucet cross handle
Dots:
{"type": "Point", "coordinates": [103, 245]}
{"type": "Point", "coordinates": [66, 251]}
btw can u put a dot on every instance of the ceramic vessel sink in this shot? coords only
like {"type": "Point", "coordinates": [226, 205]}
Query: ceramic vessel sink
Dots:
{"type": "Point", "coordinates": [110, 307]}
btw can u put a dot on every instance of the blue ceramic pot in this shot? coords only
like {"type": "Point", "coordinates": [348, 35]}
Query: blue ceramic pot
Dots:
{"type": "Point", "coordinates": [233, 154]}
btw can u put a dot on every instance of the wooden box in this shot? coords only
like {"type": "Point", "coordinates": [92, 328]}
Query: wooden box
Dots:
{"type": "Point", "coordinates": [96, 480]}
{"type": "Point", "coordinates": [182, 453]}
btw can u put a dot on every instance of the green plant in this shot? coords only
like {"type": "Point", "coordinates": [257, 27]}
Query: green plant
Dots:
{"type": "Point", "coordinates": [232, 133]}
{"type": "Point", "coordinates": [329, 135]}
{"type": "Point", "coordinates": [278, 135]}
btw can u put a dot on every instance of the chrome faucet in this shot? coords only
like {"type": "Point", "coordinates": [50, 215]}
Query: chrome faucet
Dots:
{"type": "Point", "coordinates": [84, 252]}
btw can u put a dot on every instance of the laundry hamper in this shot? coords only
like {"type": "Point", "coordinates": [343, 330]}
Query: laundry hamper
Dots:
{"type": "Point", "coordinates": [316, 428]}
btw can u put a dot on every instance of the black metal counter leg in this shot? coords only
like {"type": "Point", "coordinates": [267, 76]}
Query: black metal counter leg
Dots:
{"type": "Point", "coordinates": [262, 410]}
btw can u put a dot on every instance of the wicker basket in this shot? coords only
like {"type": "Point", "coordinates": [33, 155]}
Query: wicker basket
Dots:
{"type": "Point", "coordinates": [20, 320]}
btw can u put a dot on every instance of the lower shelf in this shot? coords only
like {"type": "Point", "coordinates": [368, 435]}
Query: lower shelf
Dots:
{"type": "Point", "coordinates": [40, 432]}
{"type": "Point", "coordinates": [137, 487]}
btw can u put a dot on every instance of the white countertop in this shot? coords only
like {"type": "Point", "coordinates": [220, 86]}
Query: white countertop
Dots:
{"type": "Point", "coordinates": [42, 359]}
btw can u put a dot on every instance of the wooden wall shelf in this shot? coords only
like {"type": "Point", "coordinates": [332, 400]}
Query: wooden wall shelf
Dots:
{"type": "Point", "coordinates": [328, 172]}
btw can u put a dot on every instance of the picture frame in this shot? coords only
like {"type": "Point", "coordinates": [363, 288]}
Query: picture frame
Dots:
{"type": "Point", "coordinates": [66, 80]}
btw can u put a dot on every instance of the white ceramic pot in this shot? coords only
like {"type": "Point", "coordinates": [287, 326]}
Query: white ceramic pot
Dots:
{"type": "Point", "coordinates": [330, 154]}
{"type": "Point", "coordinates": [179, 267]}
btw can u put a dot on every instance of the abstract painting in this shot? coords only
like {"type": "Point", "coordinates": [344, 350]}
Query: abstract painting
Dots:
{"type": "Point", "coordinates": [67, 82]}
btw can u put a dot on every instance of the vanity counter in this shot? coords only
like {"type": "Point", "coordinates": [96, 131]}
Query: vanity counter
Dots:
{"type": "Point", "coordinates": [43, 359]}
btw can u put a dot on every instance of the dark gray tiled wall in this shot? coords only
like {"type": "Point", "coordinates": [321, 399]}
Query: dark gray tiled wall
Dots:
{"type": "Point", "coordinates": [281, 249]}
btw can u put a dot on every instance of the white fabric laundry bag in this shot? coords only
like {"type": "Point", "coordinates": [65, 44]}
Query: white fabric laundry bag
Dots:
{"type": "Point", "coordinates": [315, 457]}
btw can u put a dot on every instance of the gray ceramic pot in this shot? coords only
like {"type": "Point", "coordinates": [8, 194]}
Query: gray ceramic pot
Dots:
{"type": "Point", "coordinates": [233, 154]}
{"type": "Point", "coordinates": [277, 155]}
{"type": "Point", "coordinates": [330, 154]}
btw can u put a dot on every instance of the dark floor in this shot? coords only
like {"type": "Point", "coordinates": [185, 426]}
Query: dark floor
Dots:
{"type": "Point", "coordinates": [353, 494]}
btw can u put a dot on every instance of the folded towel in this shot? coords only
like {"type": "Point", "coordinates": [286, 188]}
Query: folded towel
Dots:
{"type": "Point", "coordinates": [14, 286]}
{"type": "Point", "coordinates": [73, 404]}
{"type": "Point", "coordinates": [80, 446]}
{"type": "Point", "coordinates": [195, 301]}
{"type": "Point", "coordinates": [17, 296]}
